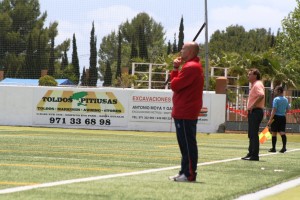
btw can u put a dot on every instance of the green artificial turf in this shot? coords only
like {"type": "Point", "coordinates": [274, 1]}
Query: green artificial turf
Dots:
{"type": "Point", "coordinates": [33, 156]}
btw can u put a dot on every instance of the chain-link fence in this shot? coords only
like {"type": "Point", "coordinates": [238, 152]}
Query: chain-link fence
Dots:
{"type": "Point", "coordinates": [236, 111]}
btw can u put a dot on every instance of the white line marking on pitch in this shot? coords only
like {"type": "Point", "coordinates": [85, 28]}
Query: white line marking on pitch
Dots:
{"type": "Point", "coordinates": [270, 191]}
{"type": "Point", "coordinates": [81, 180]}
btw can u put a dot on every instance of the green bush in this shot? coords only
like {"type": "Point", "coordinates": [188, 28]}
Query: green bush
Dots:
{"type": "Point", "coordinates": [47, 81]}
{"type": "Point", "coordinates": [125, 80]}
{"type": "Point", "coordinates": [296, 103]}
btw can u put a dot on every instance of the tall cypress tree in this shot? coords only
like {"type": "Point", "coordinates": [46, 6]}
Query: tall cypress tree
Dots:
{"type": "Point", "coordinates": [134, 51]}
{"type": "Point", "coordinates": [273, 40]}
{"type": "Point", "coordinates": [174, 50]}
{"type": "Point", "coordinates": [75, 61]}
{"type": "Point", "coordinates": [65, 61]}
{"type": "Point", "coordinates": [93, 73]}
{"type": "Point", "coordinates": [169, 49]}
{"type": "Point", "coordinates": [83, 78]}
{"type": "Point", "coordinates": [108, 75]}
{"type": "Point", "coordinates": [181, 35]}
{"type": "Point", "coordinates": [118, 72]}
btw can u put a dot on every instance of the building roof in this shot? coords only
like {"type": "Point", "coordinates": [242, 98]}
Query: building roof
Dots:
{"type": "Point", "coordinates": [32, 82]}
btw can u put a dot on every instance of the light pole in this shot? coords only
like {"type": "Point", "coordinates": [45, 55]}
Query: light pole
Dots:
{"type": "Point", "coordinates": [206, 49]}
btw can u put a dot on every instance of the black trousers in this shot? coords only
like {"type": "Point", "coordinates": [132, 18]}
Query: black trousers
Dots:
{"type": "Point", "coordinates": [186, 131]}
{"type": "Point", "coordinates": [254, 120]}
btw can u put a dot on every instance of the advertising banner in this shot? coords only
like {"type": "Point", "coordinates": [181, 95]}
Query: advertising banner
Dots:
{"type": "Point", "coordinates": [151, 107]}
{"type": "Point", "coordinates": [65, 107]}
{"type": "Point", "coordinates": [101, 108]}
{"type": "Point", "coordinates": [157, 107]}
{"type": "Point", "coordinates": [205, 113]}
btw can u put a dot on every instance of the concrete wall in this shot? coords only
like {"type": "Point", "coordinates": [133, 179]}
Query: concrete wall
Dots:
{"type": "Point", "coordinates": [101, 108]}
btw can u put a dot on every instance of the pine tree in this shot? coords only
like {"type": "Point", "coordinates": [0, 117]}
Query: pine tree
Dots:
{"type": "Point", "coordinates": [51, 69]}
{"type": "Point", "coordinates": [37, 69]}
{"type": "Point", "coordinates": [143, 52]}
{"type": "Point", "coordinates": [18, 20]}
{"type": "Point", "coordinates": [75, 61]}
{"type": "Point", "coordinates": [64, 47]}
{"type": "Point", "coordinates": [154, 36]}
{"type": "Point", "coordinates": [52, 34]}
{"type": "Point", "coordinates": [29, 61]}
{"type": "Point", "coordinates": [93, 72]}
{"type": "Point", "coordinates": [180, 36]}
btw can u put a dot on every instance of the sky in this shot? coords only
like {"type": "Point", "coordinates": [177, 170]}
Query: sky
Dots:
{"type": "Point", "coordinates": [77, 16]}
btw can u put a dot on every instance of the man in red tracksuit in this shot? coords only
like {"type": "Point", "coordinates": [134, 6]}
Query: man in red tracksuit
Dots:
{"type": "Point", "coordinates": [187, 85]}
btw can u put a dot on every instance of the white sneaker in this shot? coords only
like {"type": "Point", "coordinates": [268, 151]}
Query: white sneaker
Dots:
{"type": "Point", "coordinates": [172, 178]}
{"type": "Point", "coordinates": [181, 178]}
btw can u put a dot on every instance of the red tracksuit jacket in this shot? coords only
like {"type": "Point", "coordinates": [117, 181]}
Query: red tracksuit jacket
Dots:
{"type": "Point", "coordinates": [187, 85]}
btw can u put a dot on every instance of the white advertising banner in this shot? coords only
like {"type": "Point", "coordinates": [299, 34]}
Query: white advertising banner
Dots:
{"type": "Point", "coordinates": [67, 107]}
{"type": "Point", "coordinates": [157, 107]}
{"type": "Point", "coordinates": [101, 108]}
{"type": "Point", "coordinates": [150, 107]}
{"type": "Point", "coordinates": [205, 113]}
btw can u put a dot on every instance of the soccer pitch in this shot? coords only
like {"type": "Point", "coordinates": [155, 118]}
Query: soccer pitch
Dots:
{"type": "Point", "coordinates": [52, 163]}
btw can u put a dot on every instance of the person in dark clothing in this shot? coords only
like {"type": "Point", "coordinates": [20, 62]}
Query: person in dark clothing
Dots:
{"type": "Point", "coordinates": [187, 86]}
{"type": "Point", "coordinates": [277, 119]}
